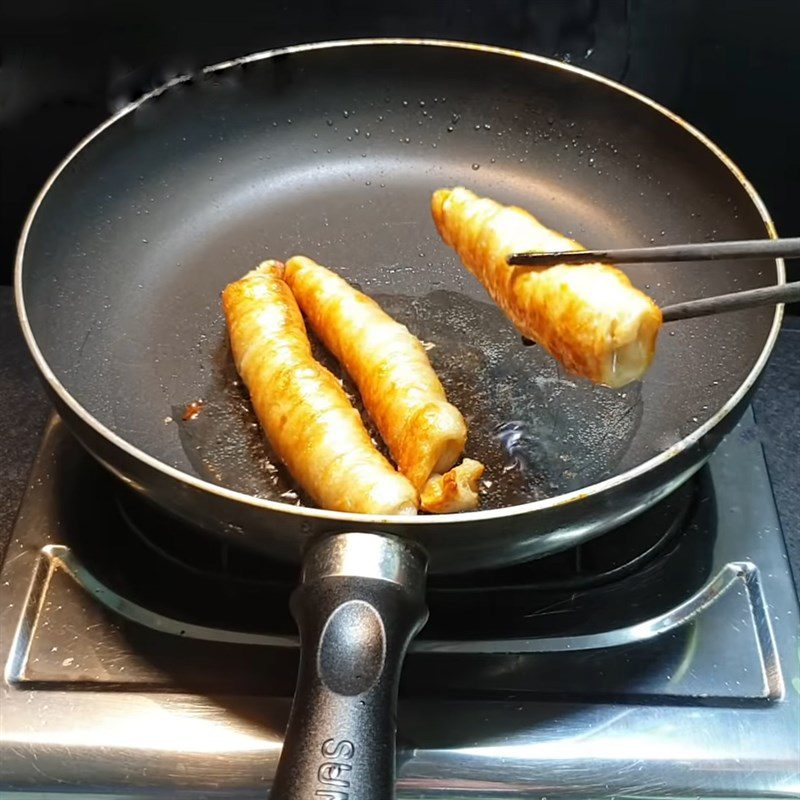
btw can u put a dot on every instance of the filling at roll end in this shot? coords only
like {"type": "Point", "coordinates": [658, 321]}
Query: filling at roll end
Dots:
{"type": "Point", "coordinates": [633, 347]}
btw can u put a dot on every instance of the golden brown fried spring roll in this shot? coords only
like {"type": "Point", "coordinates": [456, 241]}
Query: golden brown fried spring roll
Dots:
{"type": "Point", "coordinates": [303, 409]}
{"type": "Point", "coordinates": [424, 433]}
{"type": "Point", "coordinates": [456, 490]}
{"type": "Point", "coordinates": [589, 317]}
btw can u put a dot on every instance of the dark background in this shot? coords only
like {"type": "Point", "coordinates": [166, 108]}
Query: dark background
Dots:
{"type": "Point", "coordinates": [731, 67]}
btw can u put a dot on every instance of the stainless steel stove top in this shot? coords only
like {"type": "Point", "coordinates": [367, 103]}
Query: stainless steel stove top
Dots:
{"type": "Point", "coordinates": [662, 660]}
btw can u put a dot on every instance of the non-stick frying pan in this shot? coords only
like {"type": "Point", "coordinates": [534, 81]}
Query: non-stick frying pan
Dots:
{"type": "Point", "coordinates": [333, 151]}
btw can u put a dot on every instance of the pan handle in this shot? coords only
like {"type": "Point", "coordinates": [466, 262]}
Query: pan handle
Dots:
{"type": "Point", "coordinates": [361, 600]}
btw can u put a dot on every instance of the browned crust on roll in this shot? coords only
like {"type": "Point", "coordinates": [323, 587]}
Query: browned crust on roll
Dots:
{"type": "Point", "coordinates": [589, 317]}
{"type": "Point", "coordinates": [424, 433]}
{"type": "Point", "coordinates": [302, 407]}
{"type": "Point", "coordinates": [456, 490]}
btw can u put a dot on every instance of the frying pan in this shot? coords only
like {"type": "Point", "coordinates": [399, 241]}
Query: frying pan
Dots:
{"type": "Point", "coordinates": [333, 151]}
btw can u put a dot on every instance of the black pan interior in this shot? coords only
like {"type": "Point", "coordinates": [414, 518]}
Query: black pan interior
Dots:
{"type": "Point", "coordinates": [334, 153]}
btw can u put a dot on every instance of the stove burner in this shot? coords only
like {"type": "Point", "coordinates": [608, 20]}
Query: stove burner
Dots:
{"type": "Point", "coordinates": [599, 561]}
{"type": "Point", "coordinates": [636, 571]}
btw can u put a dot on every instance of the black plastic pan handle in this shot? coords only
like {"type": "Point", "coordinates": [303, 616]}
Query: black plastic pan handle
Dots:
{"type": "Point", "coordinates": [361, 600]}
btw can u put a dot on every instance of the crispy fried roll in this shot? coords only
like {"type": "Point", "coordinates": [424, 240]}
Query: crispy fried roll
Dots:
{"type": "Point", "coordinates": [456, 490]}
{"type": "Point", "coordinates": [424, 433]}
{"type": "Point", "coordinates": [589, 317]}
{"type": "Point", "coordinates": [304, 411]}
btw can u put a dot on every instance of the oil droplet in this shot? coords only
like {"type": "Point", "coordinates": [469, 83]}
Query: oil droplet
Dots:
{"type": "Point", "coordinates": [450, 128]}
{"type": "Point", "coordinates": [345, 114]}
{"type": "Point", "coordinates": [476, 166]}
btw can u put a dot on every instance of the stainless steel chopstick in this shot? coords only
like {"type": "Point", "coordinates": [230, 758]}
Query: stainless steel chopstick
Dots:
{"type": "Point", "coordinates": [749, 298]}
{"type": "Point", "coordinates": [708, 251]}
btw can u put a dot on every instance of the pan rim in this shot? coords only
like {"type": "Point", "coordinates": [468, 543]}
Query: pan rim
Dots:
{"type": "Point", "coordinates": [374, 519]}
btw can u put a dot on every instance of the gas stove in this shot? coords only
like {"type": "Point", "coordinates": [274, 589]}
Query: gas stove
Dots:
{"type": "Point", "coordinates": [660, 660]}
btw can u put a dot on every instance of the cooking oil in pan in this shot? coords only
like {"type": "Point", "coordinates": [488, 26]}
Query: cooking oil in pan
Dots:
{"type": "Point", "coordinates": [538, 430]}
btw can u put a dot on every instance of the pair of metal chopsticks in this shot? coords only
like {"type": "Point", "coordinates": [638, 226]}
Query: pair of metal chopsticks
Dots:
{"type": "Point", "coordinates": [712, 251]}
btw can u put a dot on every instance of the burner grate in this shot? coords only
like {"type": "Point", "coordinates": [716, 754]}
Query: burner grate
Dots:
{"type": "Point", "coordinates": [633, 573]}
{"type": "Point", "coordinates": [605, 559]}
{"type": "Point", "coordinates": [620, 578]}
